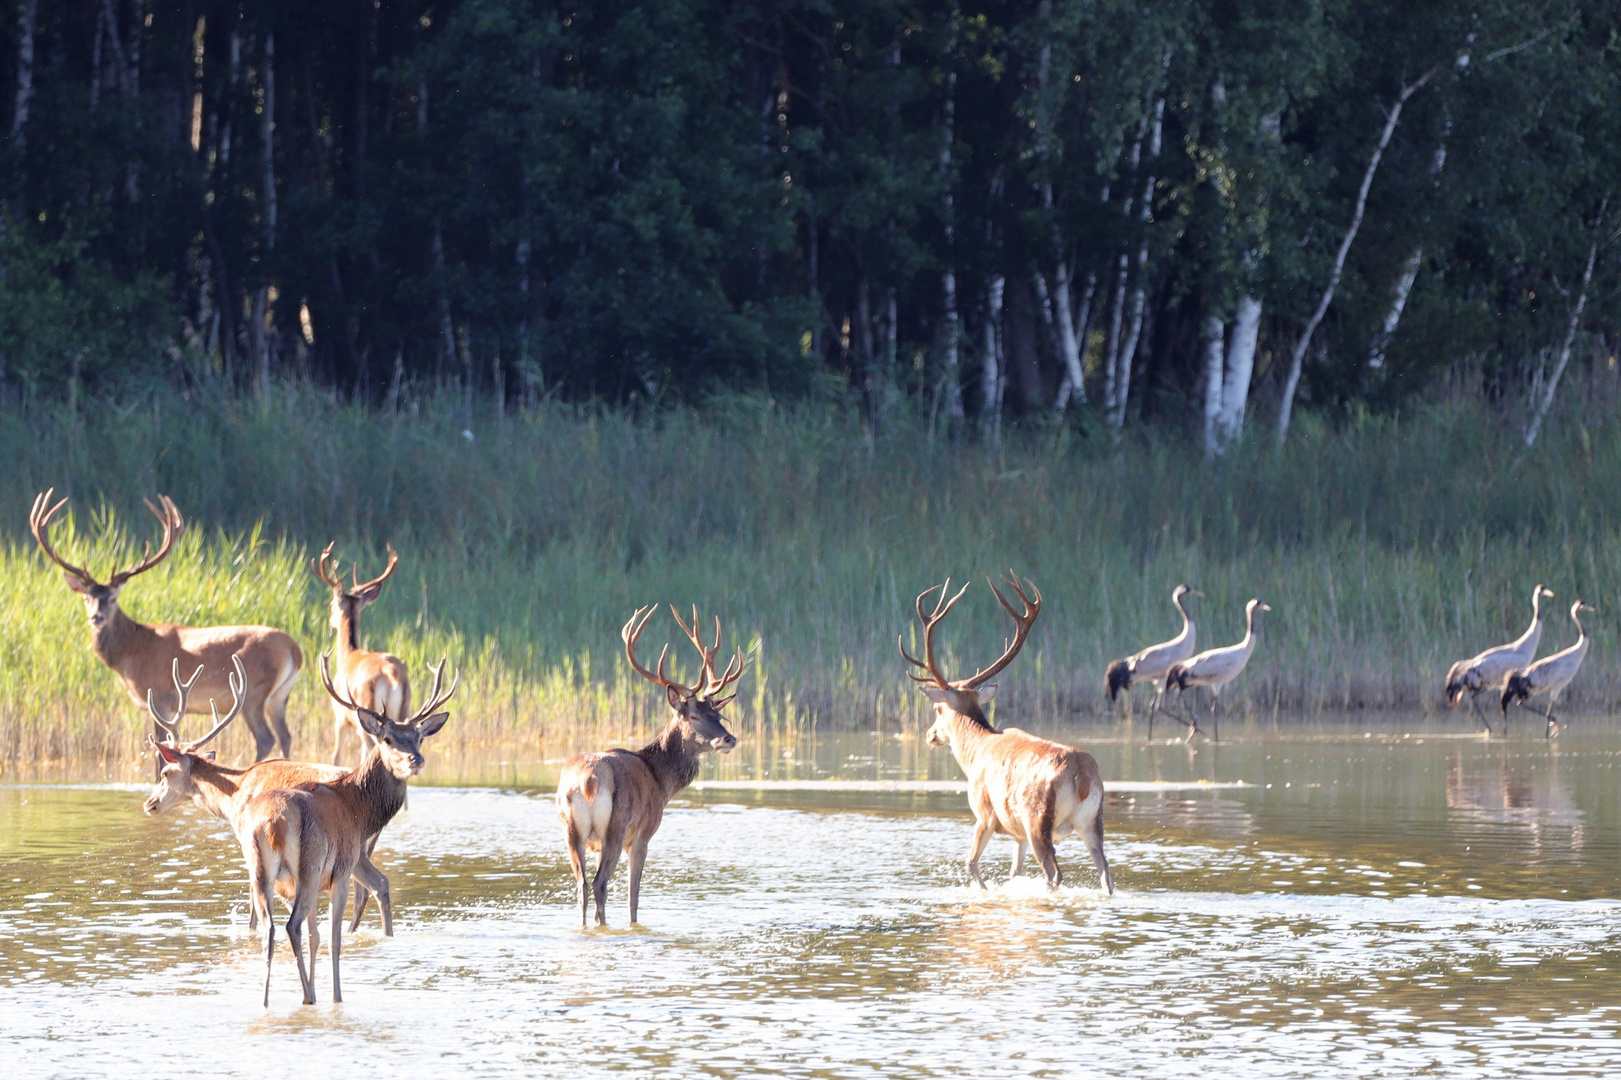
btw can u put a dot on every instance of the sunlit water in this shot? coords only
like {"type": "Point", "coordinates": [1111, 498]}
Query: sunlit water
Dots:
{"type": "Point", "coordinates": [1374, 905]}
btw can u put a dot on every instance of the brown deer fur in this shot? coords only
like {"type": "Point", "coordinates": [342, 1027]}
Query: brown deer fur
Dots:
{"type": "Point", "coordinates": [1019, 785]}
{"type": "Point", "coordinates": [374, 680]}
{"type": "Point", "coordinates": [141, 654]}
{"type": "Point", "coordinates": [614, 801]}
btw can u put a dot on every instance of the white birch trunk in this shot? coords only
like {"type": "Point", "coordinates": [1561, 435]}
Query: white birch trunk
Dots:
{"type": "Point", "coordinates": [1212, 384]}
{"type": "Point", "coordinates": [267, 193]}
{"type": "Point", "coordinates": [1139, 296]}
{"type": "Point", "coordinates": [950, 361]}
{"type": "Point", "coordinates": [1240, 365]}
{"type": "Point", "coordinates": [27, 15]}
{"type": "Point", "coordinates": [991, 377]}
{"type": "Point", "coordinates": [1398, 303]}
{"type": "Point", "coordinates": [1298, 355]}
{"type": "Point", "coordinates": [1544, 402]}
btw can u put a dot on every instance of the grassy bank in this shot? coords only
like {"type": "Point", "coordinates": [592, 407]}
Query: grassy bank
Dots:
{"type": "Point", "coordinates": [1387, 548]}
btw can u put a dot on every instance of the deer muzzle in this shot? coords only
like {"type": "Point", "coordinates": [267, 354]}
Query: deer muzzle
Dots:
{"type": "Point", "coordinates": [723, 745]}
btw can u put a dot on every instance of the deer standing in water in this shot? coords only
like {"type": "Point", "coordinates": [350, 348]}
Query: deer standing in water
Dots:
{"type": "Point", "coordinates": [300, 842]}
{"type": "Point", "coordinates": [1031, 789]}
{"type": "Point", "coordinates": [614, 801]}
{"type": "Point", "coordinates": [142, 655]}
{"type": "Point", "coordinates": [376, 680]}
{"type": "Point", "coordinates": [184, 772]}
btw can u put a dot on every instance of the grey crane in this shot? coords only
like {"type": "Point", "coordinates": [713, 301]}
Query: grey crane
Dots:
{"type": "Point", "coordinates": [1214, 669]}
{"type": "Point", "coordinates": [1487, 671]}
{"type": "Point", "coordinates": [1151, 663]}
{"type": "Point", "coordinates": [1549, 676]}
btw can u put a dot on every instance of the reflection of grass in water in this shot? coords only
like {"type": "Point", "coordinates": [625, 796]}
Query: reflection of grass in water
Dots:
{"type": "Point", "coordinates": [1386, 550]}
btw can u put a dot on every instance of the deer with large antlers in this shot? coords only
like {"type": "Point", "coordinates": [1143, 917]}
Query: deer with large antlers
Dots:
{"type": "Point", "coordinates": [301, 842]}
{"type": "Point", "coordinates": [1028, 788]}
{"type": "Point", "coordinates": [614, 801]}
{"type": "Point", "coordinates": [185, 772]}
{"type": "Point", "coordinates": [376, 680]}
{"type": "Point", "coordinates": [142, 654]}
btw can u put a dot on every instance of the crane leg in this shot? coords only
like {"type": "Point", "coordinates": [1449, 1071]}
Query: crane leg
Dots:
{"type": "Point", "coordinates": [1553, 725]}
{"type": "Point", "coordinates": [1474, 700]}
{"type": "Point", "coordinates": [1215, 718]}
{"type": "Point", "coordinates": [1152, 709]}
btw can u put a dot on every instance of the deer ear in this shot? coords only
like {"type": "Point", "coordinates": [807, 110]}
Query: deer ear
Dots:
{"type": "Point", "coordinates": [76, 583]}
{"type": "Point", "coordinates": [986, 692]}
{"type": "Point", "coordinates": [936, 695]}
{"type": "Point", "coordinates": [366, 596]}
{"type": "Point", "coordinates": [674, 697]}
{"type": "Point", "coordinates": [371, 722]}
{"type": "Point", "coordinates": [432, 724]}
{"type": "Point", "coordinates": [169, 754]}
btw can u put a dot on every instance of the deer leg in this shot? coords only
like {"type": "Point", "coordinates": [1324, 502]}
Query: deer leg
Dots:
{"type": "Point", "coordinates": [1092, 835]}
{"type": "Point", "coordinates": [612, 844]}
{"type": "Point", "coordinates": [638, 856]}
{"type": "Point", "coordinates": [368, 877]}
{"type": "Point", "coordinates": [576, 860]}
{"type": "Point", "coordinates": [339, 887]}
{"type": "Point", "coordinates": [976, 848]}
{"type": "Point", "coordinates": [295, 936]}
{"type": "Point", "coordinates": [270, 955]}
{"type": "Point", "coordinates": [313, 921]}
{"type": "Point", "coordinates": [1018, 859]}
{"type": "Point", "coordinates": [339, 726]}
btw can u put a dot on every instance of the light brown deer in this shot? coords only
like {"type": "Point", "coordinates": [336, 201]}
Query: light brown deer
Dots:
{"type": "Point", "coordinates": [376, 680]}
{"type": "Point", "coordinates": [142, 654]}
{"type": "Point", "coordinates": [304, 841]}
{"type": "Point", "coordinates": [184, 772]}
{"type": "Point", "coordinates": [614, 801]}
{"type": "Point", "coordinates": [1031, 789]}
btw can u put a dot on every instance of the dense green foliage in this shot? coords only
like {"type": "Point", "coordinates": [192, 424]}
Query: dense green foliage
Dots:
{"type": "Point", "coordinates": [1387, 549]}
{"type": "Point", "coordinates": [939, 204]}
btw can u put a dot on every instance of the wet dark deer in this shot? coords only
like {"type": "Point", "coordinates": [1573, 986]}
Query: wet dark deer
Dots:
{"type": "Point", "coordinates": [614, 801]}
{"type": "Point", "coordinates": [304, 841]}
{"type": "Point", "coordinates": [377, 680]}
{"type": "Point", "coordinates": [1019, 785]}
{"type": "Point", "coordinates": [184, 772]}
{"type": "Point", "coordinates": [142, 654]}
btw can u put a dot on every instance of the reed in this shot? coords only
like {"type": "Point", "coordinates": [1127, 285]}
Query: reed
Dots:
{"type": "Point", "coordinates": [1387, 546]}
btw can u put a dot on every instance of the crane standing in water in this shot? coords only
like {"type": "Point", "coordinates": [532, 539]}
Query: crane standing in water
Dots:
{"type": "Point", "coordinates": [1150, 664]}
{"type": "Point", "coordinates": [1550, 676]}
{"type": "Point", "coordinates": [1488, 670]}
{"type": "Point", "coordinates": [1214, 668]}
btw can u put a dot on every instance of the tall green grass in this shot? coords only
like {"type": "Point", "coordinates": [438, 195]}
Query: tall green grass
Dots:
{"type": "Point", "coordinates": [1388, 547]}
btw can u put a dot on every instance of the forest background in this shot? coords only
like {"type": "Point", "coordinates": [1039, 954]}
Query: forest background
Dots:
{"type": "Point", "coordinates": [793, 308]}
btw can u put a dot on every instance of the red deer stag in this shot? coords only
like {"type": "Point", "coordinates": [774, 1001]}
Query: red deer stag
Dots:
{"type": "Point", "coordinates": [301, 842]}
{"type": "Point", "coordinates": [143, 654]}
{"type": "Point", "coordinates": [614, 801]}
{"type": "Point", "coordinates": [184, 772]}
{"type": "Point", "coordinates": [376, 680]}
{"type": "Point", "coordinates": [1021, 786]}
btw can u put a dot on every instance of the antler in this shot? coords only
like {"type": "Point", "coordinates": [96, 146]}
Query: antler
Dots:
{"type": "Point", "coordinates": [171, 727]}
{"type": "Point", "coordinates": [318, 566]}
{"type": "Point", "coordinates": [173, 526]}
{"type": "Point", "coordinates": [235, 679]}
{"type": "Point", "coordinates": [39, 523]}
{"type": "Point", "coordinates": [393, 561]}
{"type": "Point", "coordinates": [435, 698]}
{"type": "Point", "coordinates": [1021, 626]}
{"type": "Point", "coordinates": [928, 663]}
{"type": "Point", "coordinates": [332, 691]}
{"type": "Point", "coordinates": [711, 684]}
{"type": "Point", "coordinates": [631, 633]}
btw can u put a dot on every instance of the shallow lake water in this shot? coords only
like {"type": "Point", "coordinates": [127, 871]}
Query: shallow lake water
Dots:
{"type": "Point", "coordinates": [1386, 898]}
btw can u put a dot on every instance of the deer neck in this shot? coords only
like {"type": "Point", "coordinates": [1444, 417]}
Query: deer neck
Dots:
{"type": "Point", "coordinates": [971, 733]}
{"type": "Point", "coordinates": [377, 793]}
{"type": "Point", "coordinates": [119, 639]}
{"type": "Point", "coordinates": [214, 787]}
{"type": "Point", "coordinates": [673, 765]}
{"type": "Point", "coordinates": [348, 634]}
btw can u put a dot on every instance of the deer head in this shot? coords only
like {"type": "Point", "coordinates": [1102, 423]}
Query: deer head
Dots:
{"type": "Point", "coordinates": [347, 603]}
{"type": "Point", "coordinates": [966, 697]}
{"type": "Point", "coordinates": [695, 709]}
{"type": "Point", "coordinates": [399, 743]}
{"type": "Point", "coordinates": [174, 780]}
{"type": "Point", "coordinates": [101, 601]}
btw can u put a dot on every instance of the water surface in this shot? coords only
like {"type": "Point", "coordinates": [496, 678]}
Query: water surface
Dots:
{"type": "Point", "coordinates": [1383, 900]}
